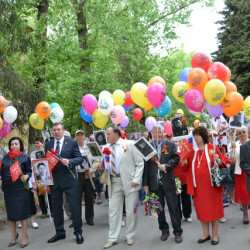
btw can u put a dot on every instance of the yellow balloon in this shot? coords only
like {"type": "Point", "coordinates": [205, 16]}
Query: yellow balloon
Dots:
{"type": "Point", "coordinates": [246, 107]}
{"type": "Point", "coordinates": [138, 94]}
{"type": "Point", "coordinates": [197, 116]}
{"type": "Point", "coordinates": [180, 111]}
{"type": "Point", "coordinates": [214, 91]}
{"type": "Point", "coordinates": [99, 119]}
{"type": "Point", "coordinates": [119, 97]}
{"type": "Point", "coordinates": [179, 90]}
{"type": "Point", "coordinates": [36, 121]}
{"type": "Point", "coordinates": [1, 123]}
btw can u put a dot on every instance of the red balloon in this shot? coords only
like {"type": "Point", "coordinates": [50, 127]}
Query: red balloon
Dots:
{"type": "Point", "coordinates": [168, 128]}
{"type": "Point", "coordinates": [217, 71]}
{"type": "Point", "coordinates": [137, 114]}
{"type": "Point", "coordinates": [128, 101]}
{"type": "Point", "coordinates": [201, 60]}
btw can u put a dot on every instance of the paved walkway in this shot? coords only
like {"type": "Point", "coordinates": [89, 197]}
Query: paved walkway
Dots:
{"type": "Point", "coordinates": [233, 234]}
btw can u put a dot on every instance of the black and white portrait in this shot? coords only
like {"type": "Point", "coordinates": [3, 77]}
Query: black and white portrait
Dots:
{"type": "Point", "coordinates": [85, 163]}
{"type": "Point", "coordinates": [94, 150]}
{"type": "Point", "coordinates": [236, 121]}
{"type": "Point", "coordinates": [39, 154]}
{"type": "Point", "coordinates": [179, 128]}
{"type": "Point", "coordinates": [47, 135]}
{"type": "Point", "coordinates": [41, 171]}
{"type": "Point", "coordinates": [145, 148]}
{"type": "Point", "coordinates": [100, 137]}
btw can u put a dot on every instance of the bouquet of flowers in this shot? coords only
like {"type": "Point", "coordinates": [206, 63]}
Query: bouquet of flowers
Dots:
{"type": "Point", "coordinates": [152, 204]}
{"type": "Point", "coordinates": [178, 185]}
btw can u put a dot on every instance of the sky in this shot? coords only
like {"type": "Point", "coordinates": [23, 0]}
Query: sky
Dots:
{"type": "Point", "coordinates": [201, 35]}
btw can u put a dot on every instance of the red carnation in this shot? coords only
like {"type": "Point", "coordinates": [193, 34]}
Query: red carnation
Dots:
{"type": "Point", "coordinates": [106, 151]}
{"type": "Point", "coordinates": [54, 152]}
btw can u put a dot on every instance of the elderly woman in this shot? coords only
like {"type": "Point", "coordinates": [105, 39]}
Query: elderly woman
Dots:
{"type": "Point", "coordinates": [240, 178]}
{"type": "Point", "coordinates": [208, 200]}
{"type": "Point", "coordinates": [16, 196]}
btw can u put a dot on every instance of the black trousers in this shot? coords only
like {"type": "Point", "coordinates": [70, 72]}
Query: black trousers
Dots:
{"type": "Point", "coordinates": [173, 209]}
{"type": "Point", "coordinates": [43, 205]}
{"type": "Point", "coordinates": [185, 200]}
{"type": "Point", "coordinates": [32, 204]}
{"type": "Point", "coordinates": [74, 205]}
{"type": "Point", "coordinates": [84, 185]}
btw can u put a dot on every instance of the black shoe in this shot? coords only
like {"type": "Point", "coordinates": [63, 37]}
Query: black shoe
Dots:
{"type": "Point", "coordinates": [56, 238]}
{"type": "Point", "coordinates": [90, 222]}
{"type": "Point", "coordinates": [79, 239]}
{"type": "Point", "coordinates": [200, 241]}
{"type": "Point", "coordinates": [71, 225]}
{"type": "Point", "coordinates": [14, 243]}
{"type": "Point", "coordinates": [246, 222]}
{"type": "Point", "coordinates": [215, 242]}
{"type": "Point", "coordinates": [164, 236]}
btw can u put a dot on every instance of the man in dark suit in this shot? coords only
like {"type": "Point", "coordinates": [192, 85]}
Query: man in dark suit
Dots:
{"type": "Point", "coordinates": [158, 177]}
{"type": "Point", "coordinates": [65, 182]}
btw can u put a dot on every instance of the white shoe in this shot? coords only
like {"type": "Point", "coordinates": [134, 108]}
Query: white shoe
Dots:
{"type": "Point", "coordinates": [35, 225]}
{"type": "Point", "coordinates": [223, 220]}
{"type": "Point", "coordinates": [189, 220]}
{"type": "Point", "coordinates": [109, 244]}
{"type": "Point", "coordinates": [19, 225]}
{"type": "Point", "coordinates": [123, 223]}
{"type": "Point", "coordinates": [130, 242]}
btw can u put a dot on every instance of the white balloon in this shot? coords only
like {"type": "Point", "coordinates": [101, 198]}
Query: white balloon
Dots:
{"type": "Point", "coordinates": [56, 114]}
{"type": "Point", "coordinates": [105, 94]}
{"type": "Point", "coordinates": [105, 105]}
{"type": "Point", "coordinates": [10, 114]}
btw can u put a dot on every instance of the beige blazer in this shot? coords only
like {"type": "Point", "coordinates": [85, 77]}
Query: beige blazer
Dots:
{"type": "Point", "coordinates": [131, 166]}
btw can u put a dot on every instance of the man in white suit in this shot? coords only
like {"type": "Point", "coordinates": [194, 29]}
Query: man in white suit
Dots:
{"type": "Point", "coordinates": [125, 169]}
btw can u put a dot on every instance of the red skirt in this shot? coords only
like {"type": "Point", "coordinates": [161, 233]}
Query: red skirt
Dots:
{"type": "Point", "coordinates": [241, 195]}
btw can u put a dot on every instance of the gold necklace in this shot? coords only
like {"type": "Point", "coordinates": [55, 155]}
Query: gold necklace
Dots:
{"type": "Point", "coordinates": [199, 159]}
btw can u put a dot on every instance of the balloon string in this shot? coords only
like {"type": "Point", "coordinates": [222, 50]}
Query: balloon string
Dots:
{"type": "Point", "coordinates": [139, 126]}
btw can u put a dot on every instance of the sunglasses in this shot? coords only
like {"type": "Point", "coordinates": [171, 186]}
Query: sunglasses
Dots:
{"type": "Point", "coordinates": [243, 132]}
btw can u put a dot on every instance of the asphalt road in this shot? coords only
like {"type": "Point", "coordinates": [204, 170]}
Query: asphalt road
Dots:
{"type": "Point", "coordinates": [233, 234]}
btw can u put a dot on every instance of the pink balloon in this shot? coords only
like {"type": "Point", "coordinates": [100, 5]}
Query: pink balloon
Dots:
{"type": "Point", "coordinates": [89, 103]}
{"type": "Point", "coordinates": [156, 94]}
{"type": "Point", "coordinates": [194, 100]}
{"type": "Point", "coordinates": [168, 128]}
{"type": "Point", "coordinates": [5, 129]}
{"type": "Point", "coordinates": [117, 114]}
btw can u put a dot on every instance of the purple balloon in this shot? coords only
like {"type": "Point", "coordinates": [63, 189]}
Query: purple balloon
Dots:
{"type": "Point", "coordinates": [5, 129]}
{"type": "Point", "coordinates": [150, 123]}
{"type": "Point", "coordinates": [215, 111]}
{"type": "Point", "coordinates": [125, 122]}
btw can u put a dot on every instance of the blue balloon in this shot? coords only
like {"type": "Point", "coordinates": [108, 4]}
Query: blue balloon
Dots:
{"type": "Point", "coordinates": [184, 74]}
{"type": "Point", "coordinates": [86, 116]}
{"type": "Point", "coordinates": [54, 105]}
{"type": "Point", "coordinates": [165, 108]}
{"type": "Point", "coordinates": [127, 108]}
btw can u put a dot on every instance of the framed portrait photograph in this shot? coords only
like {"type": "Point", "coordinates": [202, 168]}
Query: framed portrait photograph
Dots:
{"type": "Point", "coordinates": [85, 163]}
{"type": "Point", "coordinates": [100, 137]}
{"type": "Point", "coordinates": [179, 128]}
{"type": "Point", "coordinates": [237, 121]}
{"type": "Point", "coordinates": [41, 172]}
{"type": "Point", "coordinates": [39, 154]}
{"type": "Point", "coordinates": [145, 149]}
{"type": "Point", "coordinates": [220, 124]}
{"type": "Point", "coordinates": [94, 150]}
{"type": "Point", "coordinates": [47, 135]}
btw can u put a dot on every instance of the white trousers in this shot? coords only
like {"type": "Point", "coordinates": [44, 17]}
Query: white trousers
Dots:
{"type": "Point", "coordinates": [116, 207]}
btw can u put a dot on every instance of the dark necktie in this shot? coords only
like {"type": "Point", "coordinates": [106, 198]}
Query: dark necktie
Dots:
{"type": "Point", "coordinates": [58, 146]}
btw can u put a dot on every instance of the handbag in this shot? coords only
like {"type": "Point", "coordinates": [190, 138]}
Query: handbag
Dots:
{"type": "Point", "coordinates": [221, 176]}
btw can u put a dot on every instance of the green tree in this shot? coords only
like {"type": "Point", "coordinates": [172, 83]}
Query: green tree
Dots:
{"type": "Point", "coordinates": [234, 42]}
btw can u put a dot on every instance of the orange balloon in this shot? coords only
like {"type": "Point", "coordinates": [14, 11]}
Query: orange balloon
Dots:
{"type": "Point", "coordinates": [230, 87]}
{"type": "Point", "coordinates": [148, 106]}
{"type": "Point", "coordinates": [197, 78]}
{"type": "Point", "coordinates": [43, 109]}
{"type": "Point", "coordinates": [232, 104]}
{"type": "Point", "coordinates": [156, 79]}
{"type": "Point", "coordinates": [3, 103]}
{"type": "Point", "coordinates": [196, 123]}
{"type": "Point", "coordinates": [228, 74]}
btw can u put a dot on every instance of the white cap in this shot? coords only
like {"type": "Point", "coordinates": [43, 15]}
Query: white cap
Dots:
{"type": "Point", "coordinates": [79, 131]}
{"type": "Point", "coordinates": [67, 133]}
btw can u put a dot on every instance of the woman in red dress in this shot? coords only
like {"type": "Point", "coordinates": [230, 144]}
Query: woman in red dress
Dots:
{"type": "Point", "coordinates": [208, 200]}
{"type": "Point", "coordinates": [240, 177]}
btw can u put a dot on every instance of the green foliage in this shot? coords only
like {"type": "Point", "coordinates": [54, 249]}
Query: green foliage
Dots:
{"type": "Point", "coordinates": [234, 42]}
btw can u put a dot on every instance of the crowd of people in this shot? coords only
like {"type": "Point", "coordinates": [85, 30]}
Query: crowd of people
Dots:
{"type": "Point", "coordinates": [127, 175]}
